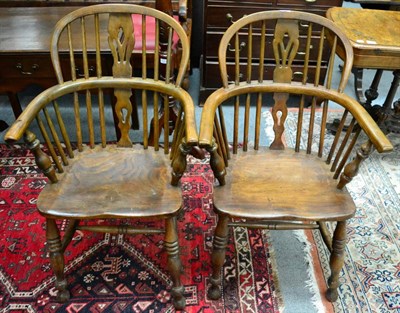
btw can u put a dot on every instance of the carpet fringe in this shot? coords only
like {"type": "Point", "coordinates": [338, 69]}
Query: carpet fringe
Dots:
{"type": "Point", "coordinates": [275, 272]}
{"type": "Point", "coordinates": [311, 283]}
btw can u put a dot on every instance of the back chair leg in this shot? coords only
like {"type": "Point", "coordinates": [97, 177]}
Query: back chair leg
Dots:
{"type": "Point", "coordinates": [57, 259]}
{"type": "Point", "coordinates": [174, 262]}
{"type": "Point", "coordinates": [337, 260]}
{"type": "Point", "coordinates": [218, 256]}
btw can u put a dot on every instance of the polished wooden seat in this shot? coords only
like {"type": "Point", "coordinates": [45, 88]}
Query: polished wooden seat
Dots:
{"type": "Point", "coordinates": [282, 192]}
{"type": "Point", "coordinates": [135, 183]}
{"type": "Point", "coordinates": [288, 172]}
{"type": "Point", "coordinates": [89, 176]}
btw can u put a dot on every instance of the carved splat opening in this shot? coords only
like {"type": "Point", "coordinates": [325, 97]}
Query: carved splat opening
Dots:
{"type": "Point", "coordinates": [124, 114]}
{"type": "Point", "coordinates": [285, 45]}
{"type": "Point", "coordinates": [119, 44]}
{"type": "Point", "coordinates": [278, 118]}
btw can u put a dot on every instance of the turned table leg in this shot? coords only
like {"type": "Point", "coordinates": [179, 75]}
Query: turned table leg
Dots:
{"type": "Point", "coordinates": [358, 88]}
{"type": "Point", "coordinates": [372, 93]}
{"type": "Point", "coordinates": [388, 115]}
{"type": "Point", "coordinates": [15, 106]}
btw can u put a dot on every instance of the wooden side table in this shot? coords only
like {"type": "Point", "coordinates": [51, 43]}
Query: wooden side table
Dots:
{"type": "Point", "coordinates": [374, 35]}
{"type": "Point", "coordinates": [379, 4]}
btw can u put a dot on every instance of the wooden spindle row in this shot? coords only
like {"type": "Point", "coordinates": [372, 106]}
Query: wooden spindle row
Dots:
{"type": "Point", "coordinates": [344, 141]}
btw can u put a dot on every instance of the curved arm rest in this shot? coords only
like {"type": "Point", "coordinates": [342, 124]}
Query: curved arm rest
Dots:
{"type": "Point", "coordinates": [21, 125]}
{"type": "Point", "coordinates": [377, 137]}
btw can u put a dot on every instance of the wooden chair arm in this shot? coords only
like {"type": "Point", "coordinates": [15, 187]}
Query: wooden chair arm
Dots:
{"type": "Point", "coordinates": [377, 137]}
{"type": "Point", "coordinates": [20, 126]}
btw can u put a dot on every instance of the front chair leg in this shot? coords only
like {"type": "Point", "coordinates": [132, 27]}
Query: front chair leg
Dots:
{"type": "Point", "coordinates": [174, 262]}
{"type": "Point", "coordinates": [57, 259]}
{"type": "Point", "coordinates": [218, 256]}
{"type": "Point", "coordinates": [336, 260]}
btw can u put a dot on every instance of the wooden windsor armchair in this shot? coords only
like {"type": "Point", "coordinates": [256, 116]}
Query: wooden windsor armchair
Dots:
{"type": "Point", "coordinates": [293, 177]}
{"type": "Point", "coordinates": [90, 178]}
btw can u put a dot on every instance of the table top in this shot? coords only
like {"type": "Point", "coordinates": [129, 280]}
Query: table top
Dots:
{"type": "Point", "coordinates": [390, 2]}
{"type": "Point", "coordinates": [374, 35]}
{"type": "Point", "coordinates": [28, 29]}
{"type": "Point", "coordinates": [47, 3]}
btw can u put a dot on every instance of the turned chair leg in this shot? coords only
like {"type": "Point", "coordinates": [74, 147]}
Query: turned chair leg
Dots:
{"type": "Point", "coordinates": [218, 256]}
{"type": "Point", "coordinates": [57, 259]}
{"type": "Point", "coordinates": [336, 260]}
{"type": "Point", "coordinates": [174, 263]}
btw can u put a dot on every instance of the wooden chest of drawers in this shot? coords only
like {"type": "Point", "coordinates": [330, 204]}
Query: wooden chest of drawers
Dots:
{"type": "Point", "coordinates": [220, 14]}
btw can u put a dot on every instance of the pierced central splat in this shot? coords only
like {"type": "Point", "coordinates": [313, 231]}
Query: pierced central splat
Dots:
{"type": "Point", "coordinates": [285, 44]}
{"type": "Point", "coordinates": [121, 40]}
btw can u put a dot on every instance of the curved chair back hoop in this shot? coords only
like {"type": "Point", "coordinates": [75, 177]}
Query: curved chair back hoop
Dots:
{"type": "Point", "coordinates": [292, 26]}
{"type": "Point", "coordinates": [101, 27]}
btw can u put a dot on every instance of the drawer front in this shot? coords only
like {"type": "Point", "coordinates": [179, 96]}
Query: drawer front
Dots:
{"type": "Point", "coordinates": [246, 4]}
{"type": "Point", "coordinates": [223, 17]}
{"type": "Point", "coordinates": [26, 66]}
{"type": "Point", "coordinates": [309, 3]}
{"type": "Point", "coordinates": [213, 39]}
{"type": "Point", "coordinates": [212, 76]}
{"type": "Point", "coordinates": [79, 69]}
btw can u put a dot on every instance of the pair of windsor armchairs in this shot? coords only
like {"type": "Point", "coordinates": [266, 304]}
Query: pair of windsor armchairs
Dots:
{"type": "Point", "coordinates": [287, 185]}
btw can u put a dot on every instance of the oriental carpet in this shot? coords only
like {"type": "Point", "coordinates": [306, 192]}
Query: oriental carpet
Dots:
{"type": "Point", "coordinates": [370, 279]}
{"type": "Point", "coordinates": [116, 273]}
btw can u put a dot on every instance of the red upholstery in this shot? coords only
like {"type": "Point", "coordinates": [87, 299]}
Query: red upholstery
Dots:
{"type": "Point", "coordinates": [150, 32]}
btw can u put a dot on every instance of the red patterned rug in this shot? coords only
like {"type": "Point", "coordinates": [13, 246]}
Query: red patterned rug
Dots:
{"type": "Point", "coordinates": [116, 273]}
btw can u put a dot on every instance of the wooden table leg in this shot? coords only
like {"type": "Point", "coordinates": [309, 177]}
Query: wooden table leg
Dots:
{"type": "Point", "coordinates": [3, 125]}
{"type": "Point", "coordinates": [358, 81]}
{"type": "Point", "coordinates": [372, 93]}
{"type": "Point", "coordinates": [15, 104]}
{"type": "Point", "coordinates": [388, 115]}
{"type": "Point", "coordinates": [387, 106]}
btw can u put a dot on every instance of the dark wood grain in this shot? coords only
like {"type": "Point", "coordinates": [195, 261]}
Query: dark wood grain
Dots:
{"type": "Point", "coordinates": [113, 183]}
{"type": "Point", "coordinates": [289, 188]}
